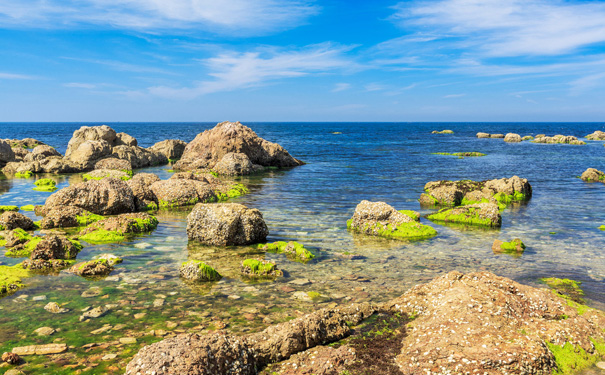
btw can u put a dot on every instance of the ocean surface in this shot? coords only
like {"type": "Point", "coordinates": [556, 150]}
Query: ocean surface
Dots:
{"type": "Point", "coordinates": [346, 163]}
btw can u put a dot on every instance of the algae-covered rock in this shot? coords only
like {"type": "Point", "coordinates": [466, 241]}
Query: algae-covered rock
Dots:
{"type": "Point", "coordinates": [596, 136]}
{"type": "Point", "coordinates": [515, 246]}
{"type": "Point", "coordinates": [481, 214]}
{"type": "Point", "coordinates": [16, 237]}
{"type": "Point", "coordinates": [593, 175]}
{"type": "Point", "coordinates": [292, 249]}
{"type": "Point", "coordinates": [512, 138]}
{"type": "Point", "coordinates": [380, 219]}
{"type": "Point", "coordinates": [11, 278]}
{"type": "Point", "coordinates": [8, 208]}
{"type": "Point", "coordinates": [566, 287]}
{"type": "Point", "coordinates": [527, 138]}
{"type": "Point", "coordinates": [260, 268]}
{"type": "Point", "coordinates": [24, 174]}
{"type": "Point", "coordinates": [195, 270]}
{"type": "Point", "coordinates": [442, 131]}
{"type": "Point", "coordinates": [236, 164]}
{"type": "Point", "coordinates": [558, 139]}
{"type": "Point", "coordinates": [68, 216]}
{"type": "Point", "coordinates": [99, 174]}
{"type": "Point", "coordinates": [45, 184]}
{"type": "Point", "coordinates": [114, 228]}
{"type": "Point", "coordinates": [144, 198]}
{"type": "Point", "coordinates": [11, 220]}
{"type": "Point", "coordinates": [226, 224]}
{"type": "Point", "coordinates": [92, 268]}
{"type": "Point", "coordinates": [461, 154]}
{"type": "Point", "coordinates": [100, 236]}
{"type": "Point", "coordinates": [56, 247]}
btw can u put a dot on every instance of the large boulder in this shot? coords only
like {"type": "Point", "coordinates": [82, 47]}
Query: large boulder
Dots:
{"type": "Point", "coordinates": [138, 156]}
{"type": "Point", "coordinates": [66, 217]}
{"type": "Point", "coordinates": [596, 136]}
{"type": "Point", "coordinates": [593, 175]}
{"type": "Point", "coordinates": [226, 224]}
{"type": "Point", "coordinates": [140, 184]}
{"type": "Point", "coordinates": [101, 133]}
{"type": "Point", "coordinates": [182, 192]}
{"type": "Point", "coordinates": [109, 196]}
{"type": "Point", "coordinates": [123, 139]}
{"type": "Point", "coordinates": [512, 138]}
{"type": "Point", "coordinates": [56, 247]}
{"type": "Point", "coordinates": [40, 153]}
{"type": "Point", "coordinates": [236, 164]}
{"type": "Point", "coordinates": [171, 148]}
{"type": "Point", "coordinates": [209, 147]}
{"type": "Point", "coordinates": [88, 152]}
{"type": "Point", "coordinates": [6, 153]}
{"type": "Point", "coordinates": [381, 219]}
{"type": "Point", "coordinates": [11, 220]}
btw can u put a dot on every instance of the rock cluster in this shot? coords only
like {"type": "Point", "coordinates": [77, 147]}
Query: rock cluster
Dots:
{"type": "Point", "coordinates": [596, 136]}
{"type": "Point", "coordinates": [567, 139]}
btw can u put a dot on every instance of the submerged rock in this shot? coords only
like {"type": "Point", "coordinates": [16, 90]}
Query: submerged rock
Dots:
{"type": "Point", "coordinates": [195, 270]}
{"type": "Point", "coordinates": [92, 268]}
{"type": "Point", "coordinates": [226, 224]}
{"type": "Point", "coordinates": [515, 246]}
{"type": "Point", "coordinates": [209, 147]}
{"type": "Point", "coordinates": [482, 214]}
{"type": "Point", "coordinates": [260, 268]}
{"type": "Point", "coordinates": [380, 219]}
{"type": "Point", "coordinates": [292, 249]}
{"type": "Point", "coordinates": [593, 175]}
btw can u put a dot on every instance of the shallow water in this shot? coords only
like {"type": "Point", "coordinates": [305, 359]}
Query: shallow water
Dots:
{"type": "Point", "coordinates": [310, 204]}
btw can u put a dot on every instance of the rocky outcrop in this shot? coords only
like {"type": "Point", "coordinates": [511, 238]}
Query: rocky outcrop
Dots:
{"type": "Point", "coordinates": [209, 147]}
{"type": "Point", "coordinates": [108, 196]}
{"type": "Point", "coordinates": [95, 267]}
{"type": "Point", "coordinates": [496, 135]}
{"type": "Point", "coordinates": [138, 156]}
{"type": "Point", "coordinates": [88, 152]}
{"type": "Point", "coordinates": [226, 224]}
{"type": "Point", "coordinates": [566, 139]}
{"type": "Point", "coordinates": [123, 139]}
{"type": "Point", "coordinates": [182, 192]}
{"type": "Point", "coordinates": [41, 153]}
{"type": "Point", "coordinates": [596, 136]}
{"type": "Point", "coordinates": [483, 135]}
{"type": "Point", "coordinates": [512, 138]}
{"type": "Point", "coordinates": [442, 131]}
{"type": "Point", "coordinates": [456, 193]}
{"type": "Point", "coordinates": [380, 219]}
{"type": "Point", "coordinates": [103, 134]}
{"type": "Point", "coordinates": [236, 164]}
{"type": "Point", "coordinates": [11, 220]}
{"type": "Point", "coordinates": [171, 148]}
{"type": "Point", "coordinates": [144, 198]}
{"type": "Point", "coordinates": [482, 214]}
{"type": "Point", "coordinates": [66, 217]}
{"type": "Point", "coordinates": [114, 163]}
{"type": "Point", "coordinates": [25, 143]}
{"type": "Point", "coordinates": [593, 175]}
{"type": "Point", "coordinates": [477, 323]}
{"type": "Point", "coordinates": [6, 153]}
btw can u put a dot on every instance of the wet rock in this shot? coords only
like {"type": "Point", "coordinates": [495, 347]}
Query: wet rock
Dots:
{"type": "Point", "coordinates": [138, 156]}
{"type": "Point", "coordinates": [92, 268]}
{"type": "Point", "coordinates": [113, 163]}
{"type": "Point", "coordinates": [300, 282]}
{"type": "Point", "coordinates": [197, 271]}
{"type": "Point", "coordinates": [128, 340]}
{"type": "Point", "coordinates": [593, 175]}
{"type": "Point", "coordinates": [16, 237]}
{"type": "Point", "coordinates": [236, 164]}
{"type": "Point", "coordinates": [45, 331]}
{"type": "Point", "coordinates": [99, 174]}
{"type": "Point", "coordinates": [596, 136]}
{"type": "Point", "coordinates": [320, 360]}
{"type": "Point", "coordinates": [171, 148]}
{"type": "Point", "coordinates": [380, 219]}
{"type": "Point", "coordinates": [481, 214]}
{"type": "Point", "coordinates": [567, 139]}
{"type": "Point", "coordinates": [123, 139]}
{"type": "Point", "coordinates": [181, 192]}
{"type": "Point", "coordinates": [527, 138]}
{"type": "Point", "coordinates": [56, 247]}
{"type": "Point", "coordinates": [139, 222]}
{"type": "Point", "coordinates": [40, 349]}
{"type": "Point", "coordinates": [442, 132]}
{"type": "Point", "coordinates": [260, 268]}
{"type": "Point", "coordinates": [45, 264]}
{"type": "Point", "coordinates": [512, 138]}
{"type": "Point", "coordinates": [40, 153]}
{"type": "Point", "coordinates": [53, 307]}
{"type": "Point", "coordinates": [140, 184]}
{"type": "Point", "coordinates": [11, 358]}
{"type": "Point", "coordinates": [66, 217]}
{"type": "Point", "coordinates": [515, 246]}
{"type": "Point", "coordinates": [496, 135]}
{"type": "Point", "coordinates": [108, 196]}
{"type": "Point", "coordinates": [6, 153]}
{"type": "Point", "coordinates": [11, 220]}
{"type": "Point", "coordinates": [483, 135]}
{"type": "Point", "coordinates": [226, 224]}
{"type": "Point", "coordinates": [97, 312]}
{"type": "Point", "coordinates": [209, 147]}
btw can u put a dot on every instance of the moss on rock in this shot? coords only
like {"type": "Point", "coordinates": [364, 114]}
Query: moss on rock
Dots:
{"type": "Point", "coordinates": [260, 268]}
{"type": "Point", "coordinates": [28, 207]}
{"type": "Point", "coordinates": [572, 359]}
{"type": "Point", "coordinates": [566, 287]}
{"type": "Point", "coordinates": [195, 270]}
{"type": "Point", "coordinates": [460, 154]}
{"type": "Point", "coordinates": [515, 246]}
{"type": "Point", "coordinates": [102, 236]}
{"type": "Point", "coordinates": [8, 208]}
{"type": "Point", "coordinates": [482, 214]}
{"type": "Point", "coordinates": [25, 174]}
{"type": "Point", "coordinates": [11, 278]}
{"type": "Point", "coordinates": [87, 219]}
{"type": "Point", "coordinates": [292, 249]}
{"type": "Point", "coordinates": [45, 182]}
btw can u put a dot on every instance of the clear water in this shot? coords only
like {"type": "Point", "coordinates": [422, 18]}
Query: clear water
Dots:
{"type": "Point", "coordinates": [310, 204]}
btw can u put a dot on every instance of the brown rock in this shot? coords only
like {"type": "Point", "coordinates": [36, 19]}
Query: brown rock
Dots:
{"type": "Point", "coordinates": [88, 152]}
{"type": "Point", "coordinates": [593, 175]}
{"type": "Point", "coordinates": [180, 192]}
{"type": "Point", "coordinates": [483, 135]}
{"type": "Point", "coordinates": [596, 136]}
{"type": "Point", "coordinates": [40, 349]}
{"type": "Point", "coordinates": [11, 220]}
{"type": "Point", "coordinates": [236, 164]}
{"type": "Point", "coordinates": [138, 156]}
{"type": "Point", "coordinates": [62, 217]}
{"type": "Point", "coordinates": [113, 163]}
{"type": "Point", "coordinates": [125, 223]}
{"type": "Point", "coordinates": [101, 133]}
{"type": "Point", "coordinates": [171, 148]}
{"type": "Point", "coordinates": [512, 138]}
{"type": "Point", "coordinates": [140, 184]}
{"type": "Point", "coordinates": [123, 139]}
{"type": "Point", "coordinates": [40, 153]}
{"type": "Point", "coordinates": [11, 358]}
{"type": "Point", "coordinates": [55, 247]}
{"type": "Point", "coordinates": [6, 153]}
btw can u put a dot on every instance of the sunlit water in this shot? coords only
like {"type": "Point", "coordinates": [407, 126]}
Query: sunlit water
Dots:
{"type": "Point", "coordinates": [310, 204]}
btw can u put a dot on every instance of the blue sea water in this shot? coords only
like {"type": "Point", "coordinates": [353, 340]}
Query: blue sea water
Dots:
{"type": "Point", "coordinates": [390, 162]}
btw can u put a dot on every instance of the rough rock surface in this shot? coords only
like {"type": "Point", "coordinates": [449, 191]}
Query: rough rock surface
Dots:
{"type": "Point", "coordinates": [496, 135]}
{"type": "Point", "coordinates": [113, 163]}
{"type": "Point", "coordinates": [88, 152]}
{"type": "Point", "coordinates": [512, 138]}
{"type": "Point", "coordinates": [55, 247]}
{"type": "Point", "coordinates": [11, 220]}
{"type": "Point", "coordinates": [236, 164]}
{"type": "Point", "coordinates": [180, 192]}
{"type": "Point", "coordinates": [91, 268]}
{"type": "Point", "coordinates": [483, 135]}
{"type": "Point", "coordinates": [140, 184]}
{"type": "Point", "coordinates": [171, 148]}
{"type": "Point", "coordinates": [568, 139]}
{"type": "Point", "coordinates": [209, 147]}
{"type": "Point", "coordinates": [368, 214]}
{"type": "Point", "coordinates": [485, 214]}
{"type": "Point", "coordinates": [108, 196]}
{"type": "Point", "coordinates": [101, 133]}
{"type": "Point", "coordinates": [593, 175]}
{"type": "Point", "coordinates": [123, 139]}
{"type": "Point", "coordinates": [41, 152]}
{"type": "Point", "coordinates": [6, 153]}
{"type": "Point", "coordinates": [139, 222]}
{"type": "Point", "coordinates": [138, 156]}
{"type": "Point", "coordinates": [62, 217]}
{"type": "Point", "coordinates": [226, 224]}
{"type": "Point", "coordinates": [99, 174]}
{"type": "Point", "coordinates": [596, 136]}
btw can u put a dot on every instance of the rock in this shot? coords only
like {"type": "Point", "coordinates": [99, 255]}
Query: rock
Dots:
{"type": "Point", "coordinates": [114, 163]}
{"type": "Point", "coordinates": [320, 360]}
{"type": "Point", "coordinates": [195, 270]}
{"type": "Point", "coordinates": [123, 139]}
{"type": "Point", "coordinates": [482, 214]}
{"type": "Point", "coordinates": [54, 308]}
{"type": "Point", "coordinates": [99, 174]}
{"type": "Point", "coordinates": [139, 315]}
{"type": "Point", "coordinates": [483, 135]}
{"type": "Point", "coordinates": [442, 132]}
{"type": "Point", "coordinates": [40, 349]}
{"type": "Point", "coordinates": [568, 139]}
{"type": "Point", "coordinates": [219, 354]}
{"type": "Point", "coordinates": [527, 138]}
{"type": "Point", "coordinates": [260, 268]}
{"type": "Point", "coordinates": [11, 220]}
{"type": "Point", "coordinates": [113, 229]}
{"type": "Point", "coordinates": [496, 136]}
{"type": "Point", "coordinates": [45, 264]}
{"type": "Point", "coordinates": [11, 358]}
{"type": "Point", "coordinates": [171, 148]}
{"type": "Point", "coordinates": [179, 192]}
{"type": "Point", "coordinates": [226, 224]}
{"type": "Point", "coordinates": [300, 282]}
{"type": "Point", "coordinates": [92, 268]}
{"type": "Point", "coordinates": [596, 136]}
{"type": "Point", "coordinates": [108, 196]}
{"type": "Point", "coordinates": [44, 331]}
{"type": "Point", "coordinates": [6, 153]}
{"type": "Point", "coordinates": [88, 153]}
{"type": "Point", "coordinates": [138, 156]}
{"type": "Point", "coordinates": [593, 175]}
{"type": "Point", "coordinates": [111, 259]}
{"type": "Point", "coordinates": [56, 247]}
{"type": "Point", "coordinates": [209, 147]}
{"type": "Point", "coordinates": [236, 164]}
{"type": "Point", "coordinates": [67, 216]}
{"type": "Point", "coordinates": [380, 219]}
{"type": "Point", "coordinates": [40, 153]}
{"type": "Point", "coordinates": [512, 138]}
{"type": "Point", "coordinates": [601, 365]}
{"type": "Point", "coordinates": [16, 237]}
{"type": "Point", "coordinates": [515, 246]}
{"type": "Point", "coordinates": [109, 357]}
{"type": "Point", "coordinates": [144, 198]}
{"type": "Point", "coordinates": [20, 153]}
{"type": "Point", "coordinates": [292, 249]}
{"type": "Point", "coordinates": [101, 133]}
{"type": "Point", "coordinates": [128, 340]}
{"type": "Point", "coordinates": [97, 312]}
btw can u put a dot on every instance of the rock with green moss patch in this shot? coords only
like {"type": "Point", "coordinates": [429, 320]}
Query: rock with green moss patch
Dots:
{"type": "Point", "coordinates": [144, 198]}
{"type": "Point", "coordinates": [45, 182]}
{"type": "Point", "coordinates": [56, 247]}
{"type": "Point", "coordinates": [567, 287]}
{"type": "Point", "coordinates": [527, 138]}
{"type": "Point", "coordinates": [292, 249]}
{"type": "Point", "coordinates": [114, 229]}
{"type": "Point", "coordinates": [515, 246]}
{"type": "Point", "coordinates": [260, 268]}
{"type": "Point", "coordinates": [27, 207]}
{"type": "Point", "coordinates": [47, 265]}
{"type": "Point", "coordinates": [480, 214]}
{"type": "Point", "coordinates": [8, 208]}
{"type": "Point", "coordinates": [195, 270]}
{"type": "Point", "coordinates": [442, 132]}
{"type": "Point", "coordinates": [182, 192]}
{"type": "Point", "coordinates": [11, 278]}
{"type": "Point", "coordinates": [101, 236]}
{"type": "Point", "coordinates": [16, 237]}
{"type": "Point", "coordinates": [593, 175]}
{"type": "Point", "coordinates": [92, 268]}
{"type": "Point", "coordinates": [380, 219]}
{"type": "Point", "coordinates": [11, 220]}
{"type": "Point", "coordinates": [99, 174]}
{"type": "Point", "coordinates": [68, 217]}
{"type": "Point", "coordinates": [24, 174]}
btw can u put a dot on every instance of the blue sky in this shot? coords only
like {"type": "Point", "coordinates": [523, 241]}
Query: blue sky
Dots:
{"type": "Point", "coordinates": [298, 60]}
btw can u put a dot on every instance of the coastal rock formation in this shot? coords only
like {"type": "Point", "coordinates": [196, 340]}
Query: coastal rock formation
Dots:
{"type": "Point", "coordinates": [139, 157]}
{"type": "Point", "coordinates": [95, 267]}
{"type": "Point", "coordinates": [25, 143]}
{"type": "Point", "coordinates": [182, 192]}
{"type": "Point", "coordinates": [236, 164]}
{"type": "Point", "coordinates": [381, 219]}
{"type": "Point", "coordinates": [144, 198]}
{"type": "Point", "coordinates": [496, 135]}
{"type": "Point", "coordinates": [56, 247]}
{"type": "Point", "coordinates": [12, 220]}
{"type": "Point", "coordinates": [171, 148]}
{"type": "Point", "coordinates": [442, 132]}
{"type": "Point", "coordinates": [593, 175]}
{"type": "Point", "coordinates": [40, 153]}
{"type": "Point", "coordinates": [209, 147]}
{"type": "Point", "coordinates": [99, 174]}
{"type": "Point", "coordinates": [226, 224]}
{"type": "Point", "coordinates": [109, 196]}
{"type": "Point", "coordinates": [483, 135]}
{"type": "Point", "coordinates": [483, 214]}
{"type": "Point", "coordinates": [456, 193]}
{"type": "Point", "coordinates": [512, 138]}
{"type": "Point", "coordinates": [114, 163]}
{"type": "Point", "coordinates": [567, 139]}
{"type": "Point", "coordinates": [457, 324]}
{"type": "Point", "coordinates": [596, 136]}
{"type": "Point", "coordinates": [6, 153]}
{"type": "Point", "coordinates": [123, 139]}
{"type": "Point", "coordinates": [197, 271]}
{"type": "Point", "coordinates": [104, 135]}
{"type": "Point", "coordinates": [124, 224]}
{"type": "Point", "coordinates": [66, 217]}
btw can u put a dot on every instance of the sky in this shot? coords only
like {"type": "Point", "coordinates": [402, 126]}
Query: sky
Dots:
{"type": "Point", "coordinates": [299, 60]}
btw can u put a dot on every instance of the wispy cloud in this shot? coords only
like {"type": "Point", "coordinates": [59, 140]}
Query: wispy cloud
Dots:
{"type": "Point", "coordinates": [231, 71]}
{"type": "Point", "coordinates": [453, 96]}
{"type": "Point", "coordinates": [77, 85]}
{"type": "Point", "coordinates": [15, 76]}
{"type": "Point", "coordinates": [341, 87]}
{"type": "Point", "coordinates": [506, 27]}
{"type": "Point", "coordinates": [225, 16]}
{"type": "Point", "coordinates": [586, 83]}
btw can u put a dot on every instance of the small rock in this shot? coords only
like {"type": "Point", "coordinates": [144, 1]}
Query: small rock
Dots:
{"type": "Point", "coordinates": [601, 365]}
{"type": "Point", "coordinates": [94, 313]}
{"type": "Point", "coordinates": [303, 296]}
{"type": "Point", "coordinates": [92, 292]}
{"type": "Point", "coordinates": [171, 325]}
{"type": "Point", "coordinates": [54, 308]}
{"type": "Point", "coordinates": [139, 315]}
{"type": "Point", "coordinates": [234, 297]}
{"type": "Point", "coordinates": [45, 331]}
{"type": "Point", "coordinates": [39, 298]}
{"type": "Point", "coordinates": [11, 358]}
{"type": "Point", "coordinates": [40, 349]}
{"type": "Point", "coordinates": [109, 357]}
{"type": "Point", "coordinates": [300, 282]}
{"type": "Point", "coordinates": [105, 328]}
{"type": "Point", "coordinates": [158, 302]}
{"type": "Point", "coordinates": [128, 340]}
{"type": "Point", "coordinates": [160, 333]}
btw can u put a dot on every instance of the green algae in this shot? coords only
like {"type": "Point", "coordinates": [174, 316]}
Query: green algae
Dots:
{"type": "Point", "coordinates": [314, 295]}
{"type": "Point", "coordinates": [84, 220]}
{"type": "Point", "coordinates": [602, 227]}
{"type": "Point", "coordinates": [28, 207]}
{"type": "Point", "coordinates": [151, 206]}
{"type": "Point", "coordinates": [11, 278]}
{"type": "Point", "coordinates": [471, 217]}
{"type": "Point", "coordinates": [411, 214]}
{"type": "Point", "coordinates": [206, 273]}
{"type": "Point", "coordinates": [45, 188]}
{"type": "Point", "coordinates": [88, 177]}
{"type": "Point", "coordinates": [571, 359]}
{"type": "Point", "coordinates": [257, 268]}
{"type": "Point", "coordinates": [9, 208]}
{"type": "Point", "coordinates": [175, 203]}
{"type": "Point", "coordinates": [26, 174]}
{"type": "Point", "coordinates": [568, 288]}
{"type": "Point", "coordinates": [101, 236]}
{"type": "Point", "coordinates": [511, 247]}
{"type": "Point", "coordinates": [235, 191]}
{"type": "Point", "coordinates": [292, 249]}
{"type": "Point", "coordinates": [45, 182]}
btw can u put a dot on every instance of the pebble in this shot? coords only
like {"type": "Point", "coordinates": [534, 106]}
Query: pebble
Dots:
{"type": "Point", "coordinates": [113, 278]}
{"type": "Point", "coordinates": [128, 340]}
{"type": "Point", "coordinates": [54, 308]}
{"type": "Point", "coordinates": [234, 297]}
{"type": "Point", "coordinates": [45, 331]}
{"type": "Point", "coordinates": [171, 325]}
{"type": "Point", "coordinates": [143, 245]}
{"type": "Point", "coordinates": [94, 313]}
{"type": "Point", "coordinates": [92, 292]}
{"type": "Point", "coordinates": [300, 282]}
{"type": "Point", "coordinates": [139, 315]}
{"type": "Point", "coordinates": [105, 328]}
{"type": "Point", "coordinates": [303, 296]}
{"type": "Point", "coordinates": [40, 349]}
{"type": "Point", "coordinates": [158, 302]}
{"type": "Point", "coordinates": [108, 357]}
{"type": "Point", "coordinates": [39, 298]}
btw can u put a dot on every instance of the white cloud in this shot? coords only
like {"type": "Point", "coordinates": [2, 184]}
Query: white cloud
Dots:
{"type": "Point", "coordinates": [223, 16]}
{"type": "Point", "coordinates": [506, 27]}
{"type": "Point", "coordinates": [453, 96]}
{"type": "Point", "coordinates": [15, 76]}
{"type": "Point", "coordinates": [231, 71]}
{"type": "Point", "coordinates": [78, 85]}
{"type": "Point", "coordinates": [587, 83]}
{"type": "Point", "coordinates": [341, 87]}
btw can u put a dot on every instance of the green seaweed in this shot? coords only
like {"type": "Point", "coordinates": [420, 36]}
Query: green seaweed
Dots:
{"type": "Point", "coordinates": [175, 203]}
{"type": "Point", "coordinates": [206, 273]}
{"type": "Point", "coordinates": [28, 207]}
{"type": "Point", "coordinates": [102, 236]}
{"type": "Point", "coordinates": [11, 278]}
{"type": "Point", "coordinates": [412, 214]}
{"type": "Point", "coordinates": [45, 188]}
{"type": "Point", "coordinates": [571, 359]}
{"type": "Point", "coordinates": [26, 174]}
{"type": "Point", "coordinates": [259, 268]}
{"type": "Point", "coordinates": [9, 208]}
{"type": "Point", "coordinates": [471, 217]}
{"type": "Point", "coordinates": [235, 191]}
{"type": "Point", "coordinates": [45, 182]}
{"type": "Point", "coordinates": [84, 220]}
{"type": "Point", "coordinates": [293, 249]}
{"type": "Point", "coordinates": [602, 227]}
{"type": "Point", "coordinates": [511, 247]}
{"type": "Point", "coordinates": [567, 287]}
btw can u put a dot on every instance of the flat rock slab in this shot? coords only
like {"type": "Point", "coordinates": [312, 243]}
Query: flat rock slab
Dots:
{"type": "Point", "coordinates": [45, 331]}
{"type": "Point", "coordinates": [40, 349]}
